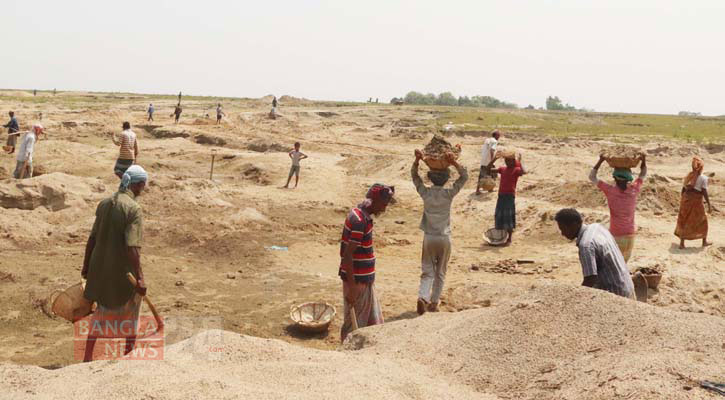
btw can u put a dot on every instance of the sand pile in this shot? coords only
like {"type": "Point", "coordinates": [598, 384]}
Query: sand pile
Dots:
{"type": "Point", "coordinates": [553, 341]}
{"type": "Point", "coordinates": [220, 364]}
{"type": "Point", "coordinates": [166, 132]}
{"type": "Point", "coordinates": [561, 342]}
{"type": "Point", "coordinates": [263, 146]}
{"type": "Point", "coordinates": [55, 191]}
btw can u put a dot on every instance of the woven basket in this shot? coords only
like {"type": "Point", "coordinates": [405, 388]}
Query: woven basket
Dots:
{"type": "Point", "coordinates": [487, 183]}
{"type": "Point", "coordinates": [653, 280]}
{"type": "Point", "coordinates": [436, 163]}
{"type": "Point", "coordinates": [70, 303]}
{"type": "Point", "coordinates": [623, 162]}
{"type": "Point", "coordinates": [313, 317]}
{"type": "Point", "coordinates": [496, 236]}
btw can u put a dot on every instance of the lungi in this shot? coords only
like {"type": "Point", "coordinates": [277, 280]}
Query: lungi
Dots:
{"type": "Point", "coordinates": [367, 311]}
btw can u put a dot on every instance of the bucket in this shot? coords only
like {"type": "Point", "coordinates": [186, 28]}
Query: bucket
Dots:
{"type": "Point", "coordinates": [70, 303]}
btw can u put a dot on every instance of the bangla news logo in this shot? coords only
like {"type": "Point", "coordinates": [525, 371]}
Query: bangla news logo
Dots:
{"type": "Point", "coordinates": [118, 337]}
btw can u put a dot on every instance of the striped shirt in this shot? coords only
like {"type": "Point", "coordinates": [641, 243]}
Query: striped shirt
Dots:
{"type": "Point", "coordinates": [127, 141]}
{"type": "Point", "coordinates": [358, 229]}
{"type": "Point", "coordinates": [600, 256]}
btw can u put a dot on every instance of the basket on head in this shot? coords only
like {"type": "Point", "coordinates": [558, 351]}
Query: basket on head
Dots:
{"type": "Point", "coordinates": [313, 317]}
{"type": "Point", "coordinates": [623, 162]}
{"type": "Point", "coordinates": [436, 163]}
{"type": "Point", "coordinates": [622, 156]}
{"type": "Point", "coordinates": [70, 303]}
{"type": "Point", "coordinates": [496, 236]}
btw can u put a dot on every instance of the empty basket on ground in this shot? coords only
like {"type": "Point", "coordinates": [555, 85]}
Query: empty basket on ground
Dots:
{"type": "Point", "coordinates": [496, 236]}
{"type": "Point", "coordinates": [313, 317]}
{"type": "Point", "coordinates": [70, 304]}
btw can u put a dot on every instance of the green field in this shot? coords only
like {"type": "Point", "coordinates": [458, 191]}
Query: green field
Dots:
{"type": "Point", "coordinates": [561, 123]}
{"type": "Point", "coordinates": [631, 126]}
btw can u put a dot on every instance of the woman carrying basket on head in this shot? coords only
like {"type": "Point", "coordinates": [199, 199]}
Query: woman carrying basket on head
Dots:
{"type": "Point", "coordinates": [622, 202]}
{"type": "Point", "coordinates": [692, 220]}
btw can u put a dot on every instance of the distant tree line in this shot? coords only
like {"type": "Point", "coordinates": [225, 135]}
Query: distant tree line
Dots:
{"type": "Point", "coordinates": [555, 103]}
{"type": "Point", "coordinates": [689, 114]}
{"type": "Point", "coordinates": [448, 99]}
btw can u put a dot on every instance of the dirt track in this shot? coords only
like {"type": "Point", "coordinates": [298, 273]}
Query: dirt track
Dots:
{"type": "Point", "coordinates": [205, 249]}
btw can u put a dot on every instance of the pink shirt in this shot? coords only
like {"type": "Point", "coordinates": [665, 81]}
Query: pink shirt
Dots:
{"type": "Point", "coordinates": [622, 205]}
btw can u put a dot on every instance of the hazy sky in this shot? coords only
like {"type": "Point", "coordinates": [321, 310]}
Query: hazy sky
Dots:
{"type": "Point", "coordinates": [659, 56]}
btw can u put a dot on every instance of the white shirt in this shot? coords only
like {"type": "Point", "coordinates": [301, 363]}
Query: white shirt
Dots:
{"type": "Point", "coordinates": [701, 183]}
{"type": "Point", "coordinates": [296, 155]}
{"type": "Point", "coordinates": [488, 145]}
{"type": "Point", "coordinates": [25, 151]}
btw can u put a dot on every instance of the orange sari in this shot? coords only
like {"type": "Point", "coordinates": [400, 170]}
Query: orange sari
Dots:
{"type": "Point", "coordinates": [692, 220]}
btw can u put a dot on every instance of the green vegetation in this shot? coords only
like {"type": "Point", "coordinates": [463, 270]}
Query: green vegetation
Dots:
{"type": "Point", "coordinates": [554, 104]}
{"type": "Point", "coordinates": [646, 126]}
{"type": "Point", "coordinates": [448, 99]}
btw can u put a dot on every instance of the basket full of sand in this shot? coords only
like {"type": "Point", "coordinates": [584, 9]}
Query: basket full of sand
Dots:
{"type": "Point", "coordinates": [622, 156]}
{"type": "Point", "coordinates": [313, 317]}
{"type": "Point", "coordinates": [434, 153]}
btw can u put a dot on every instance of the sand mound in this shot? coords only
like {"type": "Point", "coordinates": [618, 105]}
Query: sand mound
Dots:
{"type": "Point", "coordinates": [209, 139]}
{"type": "Point", "coordinates": [561, 342]}
{"type": "Point", "coordinates": [55, 191]}
{"type": "Point", "coordinates": [293, 100]}
{"type": "Point", "coordinates": [263, 146]}
{"type": "Point", "coordinates": [553, 341]}
{"type": "Point", "coordinates": [221, 364]}
{"type": "Point", "coordinates": [255, 174]}
{"type": "Point", "coordinates": [167, 132]}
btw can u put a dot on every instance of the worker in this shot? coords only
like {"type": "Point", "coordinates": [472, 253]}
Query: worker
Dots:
{"type": "Point", "coordinates": [436, 227]}
{"type": "Point", "coordinates": [24, 159]}
{"type": "Point", "coordinates": [622, 202]}
{"type": "Point", "coordinates": [602, 263]}
{"type": "Point", "coordinates": [177, 113]}
{"type": "Point", "coordinates": [150, 112]}
{"type": "Point", "coordinates": [128, 145]}
{"type": "Point", "coordinates": [357, 260]}
{"type": "Point", "coordinates": [488, 153]}
{"type": "Point", "coordinates": [13, 129]}
{"type": "Point", "coordinates": [505, 216]}
{"type": "Point", "coordinates": [692, 220]}
{"type": "Point", "coordinates": [219, 113]}
{"type": "Point", "coordinates": [113, 250]}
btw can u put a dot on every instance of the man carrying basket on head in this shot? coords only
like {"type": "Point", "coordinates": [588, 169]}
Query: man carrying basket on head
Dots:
{"type": "Point", "coordinates": [622, 201]}
{"type": "Point", "coordinates": [436, 225]}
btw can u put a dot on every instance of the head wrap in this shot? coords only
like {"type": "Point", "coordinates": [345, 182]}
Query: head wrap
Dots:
{"type": "Point", "coordinates": [697, 166]}
{"type": "Point", "coordinates": [380, 192]}
{"type": "Point", "coordinates": [623, 174]}
{"type": "Point", "coordinates": [134, 174]}
{"type": "Point", "coordinates": [38, 127]}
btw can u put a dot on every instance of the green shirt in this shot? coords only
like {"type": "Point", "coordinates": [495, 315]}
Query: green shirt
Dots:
{"type": "Point", "coordinates": [118, 225]}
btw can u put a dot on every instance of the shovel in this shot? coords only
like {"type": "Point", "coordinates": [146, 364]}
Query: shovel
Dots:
{"type": "Point", "coordinates": [157, 317]}
{"type": "Point", "coordinates": [353, 318]}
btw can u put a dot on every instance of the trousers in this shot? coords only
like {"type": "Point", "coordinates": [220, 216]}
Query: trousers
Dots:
{"type": "Point", "coordinates": [434, 264]}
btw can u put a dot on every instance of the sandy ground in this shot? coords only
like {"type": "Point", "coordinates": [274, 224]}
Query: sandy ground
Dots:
{"type": "Point", "coordinates": [206, 253]}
